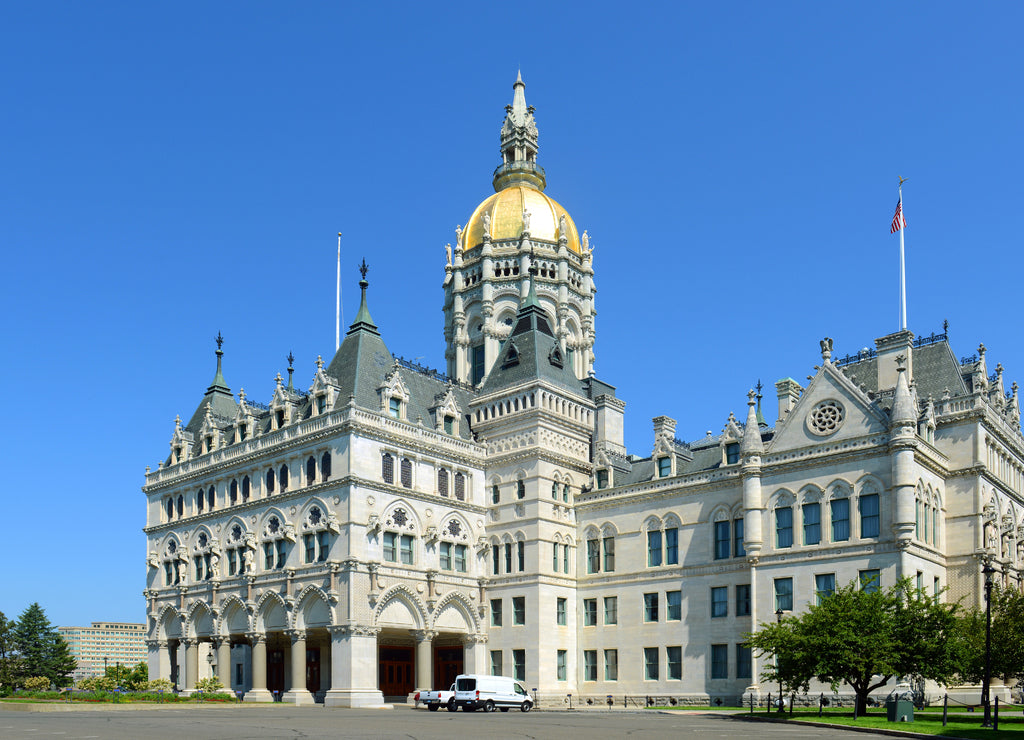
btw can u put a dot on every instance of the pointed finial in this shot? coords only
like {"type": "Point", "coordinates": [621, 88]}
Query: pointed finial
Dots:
{"type": "Point", "coordinates": [519, 77]}
{"type": "Point", "coordinates": [826, 349]}
{"type": "Point", "coordinates": [751, 397]}
{"type": "Point", "coordinates": [363, 268]}
{"type": "Point", "coordinates": [220, 341]}
{"type": "Point", "coordinates": [291, 369]}
{"type": "Point", "coordinates": [981, 351]}
{"type": "Point", "coordinates": [291, 360]}
{"type": "Point", "coordinates": [901, 363]}
{"type": "Point", "coordinates": [241, 395]}
{"type": "Point", "coordinates": [945, 327]}
{"type": "Point", "coordinates": [319, 362]}
{"type": "Point", "coordinates": [999, 368]}
{"type": "Point", "coordinates": [278, 380]}
{"type": "Point", "coordinates": [759, 388]}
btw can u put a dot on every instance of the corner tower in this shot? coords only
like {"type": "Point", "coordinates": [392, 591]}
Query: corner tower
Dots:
{"type": "Point", "coordinates": [518, 227]}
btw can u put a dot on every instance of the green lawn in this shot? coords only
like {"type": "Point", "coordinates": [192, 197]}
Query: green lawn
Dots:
{"type": "Point", "coordinates": [926, 723]}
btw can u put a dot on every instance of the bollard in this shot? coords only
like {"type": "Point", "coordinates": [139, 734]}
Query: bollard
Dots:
{"type": "Point", "coordinates": [995, 716]}
{"type": "Point", "coordinates": [769, 702]}
{"type": "Point", "coordinates": [945, 708]}
{"type": "Point", "coordinates": [609, 701]}
{"type": "Point", "coordinates": [821, 703]}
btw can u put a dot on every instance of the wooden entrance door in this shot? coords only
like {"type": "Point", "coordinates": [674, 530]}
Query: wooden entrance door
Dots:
{"type": "Point", "coordinates": [313, 670]}
{"type": "Point", "coordinates": [395, 677]}
{"type": "Point", "coordinates": [275, 671]}
{"type": "Point", "coordinates": [448, 663]}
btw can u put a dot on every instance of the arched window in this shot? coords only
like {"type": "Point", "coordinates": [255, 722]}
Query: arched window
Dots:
{"type": "Point", "coordinates": [387, 468]}
{"type": "Point", "coordinates": [233, 493]}
{"type": "Point", "coordinates": [282, 478]}
{"type": "Point", "coordinates": [460, 486]}
{"type": "Point", "coordinates": [554, 490]}
{"type": "Point", "coordinates": [270, 481]}
{"type": "Point", "coordinates": [520, 489]}
{"type": "Point", "coordinates": [181, 506]}
{"type": "Point", "coordinates": [211, 498]}
{"type": "Point", "coordinates": [442, 481]}
{"type": "Point", "coordinates": [200, 500]}
{"type": "Point", "coordinates": [325, 466]}
{"type": "Point", "coordinates": [310, 470]}
{"type": "Point", "coordinates": [170, 509]}
{"type": "Point", "coordinates": [406, 472]}
{"type": "Point", "coordinates": [245, 488]}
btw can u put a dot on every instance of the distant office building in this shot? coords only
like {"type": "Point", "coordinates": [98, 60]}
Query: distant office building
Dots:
{"type": "Point", "coordinates": [113, 642]}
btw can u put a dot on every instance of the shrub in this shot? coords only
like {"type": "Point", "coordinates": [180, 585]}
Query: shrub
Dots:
{"type": "Point", "coordinates": [37, 683]}
{"type": "Point", "coordinates": [209, 685]}
{"type": "Point", "coordinates": [159, 684]}
{"type": "Point", "coordinates": [97, 683]}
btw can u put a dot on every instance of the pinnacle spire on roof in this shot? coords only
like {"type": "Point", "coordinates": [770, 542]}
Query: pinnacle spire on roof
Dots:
{"type": "Point", "coordinates": [751, 443]}
{"type": "Point", "coordinates": [363, 319]}
{"type": "Point", "coordinates": [219, 384]}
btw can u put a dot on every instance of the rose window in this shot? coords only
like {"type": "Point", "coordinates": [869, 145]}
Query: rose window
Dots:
{"type": "Point", "coordinates": [399, 517]}
{"type": "Point", "coordinates": [454, 528]}
{"type": "Point", "coordinates": [826, 417]}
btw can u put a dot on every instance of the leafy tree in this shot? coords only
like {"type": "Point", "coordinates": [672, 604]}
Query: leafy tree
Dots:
{"type": "Point", "coordinates": [1007, 638]}
{"type": "Point", "coordinates": [10, 664]}
{"type": "Point", "coordinates": [138, 679]}
{"type": "Point", "coordinates": [863, 638]}
{"type": "Point", "coordinates": [37, 683]}
{"type": "Point", "coordinates": [209, 685]}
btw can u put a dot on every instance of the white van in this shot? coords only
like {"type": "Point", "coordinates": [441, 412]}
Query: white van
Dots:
{"type": "Point", "coordinates": [490, 693]}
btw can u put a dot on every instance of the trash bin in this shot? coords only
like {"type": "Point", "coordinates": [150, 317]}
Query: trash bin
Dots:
{"type": "Point", "coordinates": [899, 708]}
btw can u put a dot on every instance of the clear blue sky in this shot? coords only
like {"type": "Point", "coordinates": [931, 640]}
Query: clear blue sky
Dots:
{"type": "Point", "coordinates": [174, 170]}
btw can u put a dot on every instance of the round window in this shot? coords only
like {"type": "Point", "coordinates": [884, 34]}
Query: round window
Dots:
{"type": "Point", "coordinates": [826, 417]}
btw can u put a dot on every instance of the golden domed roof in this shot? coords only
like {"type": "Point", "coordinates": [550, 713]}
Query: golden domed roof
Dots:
{"type": "Point", "coordinates": [506, 209]}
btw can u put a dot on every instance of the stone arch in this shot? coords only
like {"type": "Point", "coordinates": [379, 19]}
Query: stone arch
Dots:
{"type": "Point", "coordinates": [200, 622]}
{"type": "Point", "coordinates": [264, 519]}
{"type": "Point", "coordinates": [399, 606]}
{"type": "Point", "coordinates": [168, 623]}
{"type": "Point", "coordinates": [194, 537]}
{"type": "Point", "coordinates": [569, 540]}
{"type": "Point", "coordinates": [671, 519]}
{"type": "Point", "coordinates": [413, 524]}
{"type": "Point", "coordinates": [271, 613]}
{"type": "Point", "coordinates": [313, 608]}
{"type": "Point", "coordinates": [651, 523]}
{"type": "Point", "coordinates": [310, 503]}
{"type": "Point", "coordinates": [608, 529]}
{"type": "Point", "coordinates": [811, 494]}
{"type": "Point", "coordinates": [166, 542]}
{"type": "Point", "coordinates": [781, 497]}
{"type": "Point", "coordinates": [837, 489]}
{"type": "Point", "coordinates": [737, 511]}
{"type": "Point", "coordinates": [591, 532]}
{"type": "Point", "coordinates": [720, 513]}
{"type": "Point", "coordinates": [868, 484]}
{"type": "Point", "coordinates": [455, 613]}
{"type": "Point", "coordinates": [234, 617]}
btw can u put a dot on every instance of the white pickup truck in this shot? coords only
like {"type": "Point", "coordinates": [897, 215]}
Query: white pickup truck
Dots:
{"type": "Point", "coordinates": [434, 700]}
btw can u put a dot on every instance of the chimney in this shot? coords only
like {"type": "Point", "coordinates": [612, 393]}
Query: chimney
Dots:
{"type": "Point", "coordinates": [788, 391]}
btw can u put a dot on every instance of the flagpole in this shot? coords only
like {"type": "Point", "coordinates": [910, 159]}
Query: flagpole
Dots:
{"type": "Point", "coordinates": [903, 275]}
{"type": "Point", "coordinates": [337, 304]}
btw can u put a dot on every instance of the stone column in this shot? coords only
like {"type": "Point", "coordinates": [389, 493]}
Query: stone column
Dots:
{"type": "Point", "coordinates": [191, 663]}
{"type": "Point", "coordinates": [298, 694]}
{"type": "Point", "coordinates": [425, 659]}
{"type": "Point", "coordinates": [474, 654]}
{"type": "Point", "coordinates": [259, 669]}
{"type": "Point", "coordinates": [354, 667]}
{"type": "Point", "coordinates": [157, 659]}
{"type": "Point", "coordinates": [222, 646]}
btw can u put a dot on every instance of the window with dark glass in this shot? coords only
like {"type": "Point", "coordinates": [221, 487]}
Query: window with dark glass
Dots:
{"type": "Point", "coordinates": [732, 453]}
{"type": "Point", "coordinates": [672, 546]}
{"type": "Point", "coordinates": [389, 544]}
{"type": "Point", "coordinates": [405, 549]}
{"type": "Point", "coordinates": [508, 557]}
{"type": "Point", "coordinates": [200, 500]}
{"type": "Point", "coordinates": [518, 610]}
{"type": "Point", "coordinates": [869, 515]}
{"type": "Point", "coordinates": [743, 600]}
{"type": "Point", "coordinates": [784, 527]}
{"type": "Point", "coordinates": [664, 467]}
{"type": "Point", "coordinates": [233, 492]}
{"type": "Point", "coordinates": [609, 554]}
{"type": "Point", "coordinates": [673, 606]}
{"type": "Point", "coordinates": [271, 479]}
{"type": "Point", "coordinates": [521, 555]}
{"type": "Point", "coordinates": [870, 580]}
{"type": "Point", "coordinates": [387, 468]}
{"type": "Point", "coordinates": [784, 594]}
{"type": "Point", "coordinates": [245, 488]}
{"type": "Point", "coordinates": [554, 557]}
{"type": "Point", "coordinates": [478, 363]}
{"type": "Point", "coordinates": [721, 540]}
{"type": "Point", "coordinates": [310, 470]}
{"type": "Point", "coordinates": [589, 612]}
{"type": "Point", "coordinates": [720, 601]}
{"type": "Point", "coordinates": [282, 477]}
{"type": "Point", "coordinates": [323, 546]}
{"type": "Point", "coordinates": [602, 478]}
{"type": "Point", "coordinates": [719, 661]}
{"type": "Point", "coordinates": [653, 548]}
{"type": "Point", "coordinates": [812, 523]}
{"type": "Point", "coordinates": [519, 665]}
{"type": "Point", "coordinates": [449, 425]}
{"type": "Point", "coordinates": [651, 607]}
{"type": "Point", "coordinates": [395, 407]}
{"type": "Point", "coordinates": [325, 466]}
{"type": "Point", "coordinates": [495, 559]}
{"type": "Point", "coordinates": [651, 663]}
{"type": "Point", "coordinates": [520, 489]}
{"type": "Point", "coordinates": [840, 509]}
{"type": "Point", "coordinates": [406, 472]}
{"type": "Point", "coordinates": [496, 662]}
{"type": "Point", "coordinates": [282, 553]}
{"type": "Point", "coordinates": [743, 661]}
{"type": "Point", "coordinates": [495, 494]}
{"type": "Point", "coordinates": [738, 550]}
{"type": "Point", "coordinates": [589, 665]}
{"type": "Point", "coordinates": [495, 612]}
{"type": "Point", "coordinates": [674, 659]}
{"type": "Point", "coordinates": [824, 585]}
{"type": "Point", "coordinates": [611, 665]}
{"type": "Point", "coordinates": [181, 507]}
{"type": "Point", "coordinates": [565, 493]}
{"type": "Point", "coordinates": [593, 554]}
{"type": "Point", "coordinates": [460, 487]}
{"type": "Point", "coordinates": [310, 544]}
{"type": "Point", "coordinates": [211, 497]}
{"type": "Point", "coordinates": [442, 481]}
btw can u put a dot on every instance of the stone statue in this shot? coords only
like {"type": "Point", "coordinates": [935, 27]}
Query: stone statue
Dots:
{"type": "Point", "coordinates": [487, 224]}
{"type": "Point", "coordinates": [562, 228]}
{"type": "Point", "coordinates": [526, 220]}
{"type": "Point", "coordinates": [458, 235]}
{"type": "Point", "coordinates": [448, 252]}
{"type": "Point", "coordinates": [247, 557]}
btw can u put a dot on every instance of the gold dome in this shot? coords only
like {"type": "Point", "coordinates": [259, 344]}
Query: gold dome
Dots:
{"type": "Point", "coordinates": [506, 209]}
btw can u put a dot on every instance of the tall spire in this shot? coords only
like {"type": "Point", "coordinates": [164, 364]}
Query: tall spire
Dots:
{"type": "Point", "coordinates": [519, 144]}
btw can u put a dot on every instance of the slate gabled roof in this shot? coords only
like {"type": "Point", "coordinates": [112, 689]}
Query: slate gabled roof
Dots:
{"type": "Point", "coordinates": [218, 398]}
{"type": "Point", "coordinates": [936, 368]}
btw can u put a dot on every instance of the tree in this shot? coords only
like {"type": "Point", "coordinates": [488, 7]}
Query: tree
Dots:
{"type": "Point", "coordinates": [40, 648]}
{"type": "Point", "coordinates": [1007, 638]}
{"type": "Point", "coordinates": [863, 637]}
{"type": "Point", "coordinates": [10, 665]}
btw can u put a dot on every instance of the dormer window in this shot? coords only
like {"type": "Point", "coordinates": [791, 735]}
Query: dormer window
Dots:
{"type": "Point", "coordinates": [664, 467]}
{"type": "Point", "coordinates": [732, 453]}
{"type": "Point", "coordinates": [240, 433]}
{"type": "Point", "coordinates": [602, 478]}
{"type": "Point", "coordinates": [321, 403]}
{"type": "Point", "coordinates": [395, 407]}
{"type": "Point", "coordinates": [280, 418]}
{"type": "Point", "coordinates": [449, 425]}
{"type": "Point", "coordinates": [207, 444]}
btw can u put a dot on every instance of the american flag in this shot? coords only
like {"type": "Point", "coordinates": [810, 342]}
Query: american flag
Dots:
{"type": "Point", "coordinates": [898, 222]}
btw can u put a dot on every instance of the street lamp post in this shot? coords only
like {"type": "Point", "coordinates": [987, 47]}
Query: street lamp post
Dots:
{"type": "Point", "coordinates": [778, 664]}
{"type": "Point", "coordinates": [988, 570]}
